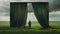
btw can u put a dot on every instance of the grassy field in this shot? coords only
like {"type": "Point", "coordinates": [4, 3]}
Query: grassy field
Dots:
{"type": "Point", "coordinates": [36, 28]}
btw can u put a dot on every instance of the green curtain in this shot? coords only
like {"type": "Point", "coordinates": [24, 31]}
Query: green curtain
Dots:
{"type": "Point", "coordinates": [41, 11]}
{"type": "Point", "coordinates": [18, 14]}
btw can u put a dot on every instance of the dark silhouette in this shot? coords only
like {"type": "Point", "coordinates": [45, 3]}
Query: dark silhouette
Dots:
{"type": "Point", "coordinates": [29, 24]}
{"type": "Point", "coordinates": [18, 14]}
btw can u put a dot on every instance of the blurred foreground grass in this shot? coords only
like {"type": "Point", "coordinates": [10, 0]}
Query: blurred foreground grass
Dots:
{"type": "Point", "coordinates": [36, 28]}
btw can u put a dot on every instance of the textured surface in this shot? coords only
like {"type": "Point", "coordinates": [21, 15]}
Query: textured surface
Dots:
{"type": "Point", "coordinates": [18, 14]}
{"type": "Point", "coordinates": [42, 13]}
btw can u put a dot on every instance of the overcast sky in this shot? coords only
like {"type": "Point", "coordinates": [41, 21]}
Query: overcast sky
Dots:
{"type": "Point", "coordinates": [5, 8]}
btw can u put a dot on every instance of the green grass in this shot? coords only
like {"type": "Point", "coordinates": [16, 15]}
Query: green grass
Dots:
{"type": "Point", "coordinates": [36, 28]}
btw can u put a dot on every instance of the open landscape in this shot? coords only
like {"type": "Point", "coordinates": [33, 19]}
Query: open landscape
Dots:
{"type": "Point", "coordinates": [14, 13]}
{"type": "Point", "coordinates": [35, 29]}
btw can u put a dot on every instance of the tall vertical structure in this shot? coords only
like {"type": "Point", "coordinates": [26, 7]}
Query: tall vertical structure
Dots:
{"type": "Point", "coordinates": [41, 11]}
{"type": "Point", "coordinates": [18, 13]}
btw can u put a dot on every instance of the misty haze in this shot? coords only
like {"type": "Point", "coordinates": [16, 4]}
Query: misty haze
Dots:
{"type": "Point", "coordinates": [53, 4]}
